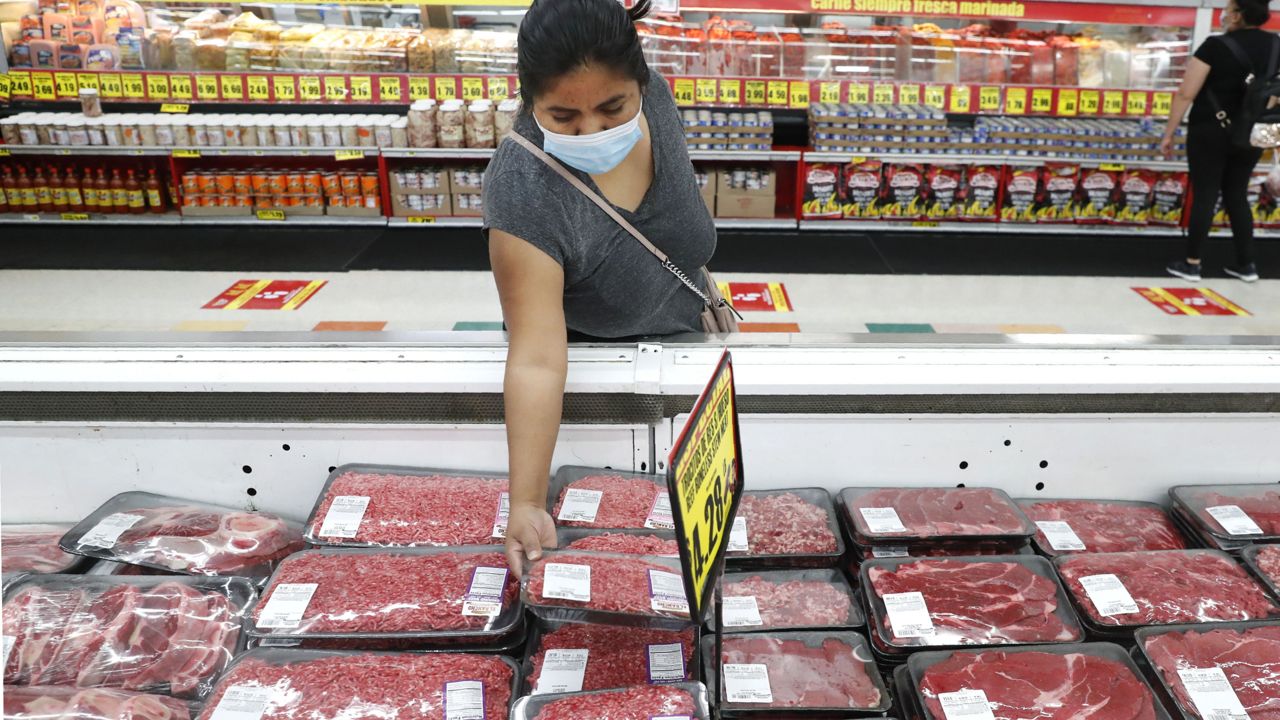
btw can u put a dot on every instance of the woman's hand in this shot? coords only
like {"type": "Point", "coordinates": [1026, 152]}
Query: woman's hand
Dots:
{"type": "Point", "coordinates": [529, 530]}
{"type": "Point", "coordinates": [1166, 145]}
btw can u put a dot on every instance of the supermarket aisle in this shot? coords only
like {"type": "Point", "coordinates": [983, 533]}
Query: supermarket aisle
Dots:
{"type": "Point", "coordinates": [440, 301]}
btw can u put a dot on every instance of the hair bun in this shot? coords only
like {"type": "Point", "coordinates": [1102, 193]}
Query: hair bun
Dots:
{"type": "Point", "coordinates": [639, 10]}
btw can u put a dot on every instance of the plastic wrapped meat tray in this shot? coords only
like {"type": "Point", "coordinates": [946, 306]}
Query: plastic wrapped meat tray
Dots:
{"type": "Point", "coordinates": [169, 635]}
{"type": "Point", "coordinates": [1010, 600]}
{"type": "Point", "coordinates": [581, 586]}
{"type": "Point", "coordinates": [1248, 655]}
{"type": "Point", "coordinates": [686, 701]}
{"type": "Point", "coordinates": [69, 703]}
{"type": "Point", "coordinates": [778, 674]}
{"type": "Point", "coordinates": [34, 548]}
{"type": "Point", "coordinates": [1224, 510]}
{"type": "Point", "coordinates": [901, 516]}
{"type": "Point", "coordinates": [904, 695]}
{"type": "Point", "coordinates": [1102, 526]}
{"type": "Point", "coordinates": [379, 505]}
{"type": "Point", "coordinates": [598, 657]}
{"type": "Point", "coordinates": [1169, 587]}
{"type": "Point", "coordinates": [622, 542]}
{"type": "Point", "coordinates": [1094, 680]}
{"type": "Point", "coordinates": [300, 684]}
{"type": "Point", "coordinates": [595, 498]}
{"type": "Point", "coordinates": [1202, 537]}
{"type": "Point", "coordinates": [1264, 561]}
{"type": "Point", "coordinates": [422, 596]}
{"type": "Point", "coordinates": [175, 535]}
{"type": "Point", "coordinates": [786, 528]}
{"type": "Point", "coordinates": [788, 600]}
{"type": "Point", "coordinates": [938, 550]}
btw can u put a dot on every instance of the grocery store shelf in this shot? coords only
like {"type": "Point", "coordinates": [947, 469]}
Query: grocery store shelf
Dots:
{"type": "Point", "coordinates": [987, 228]}
{"type": "Point", "coordinates": [775, 224]}
{"type": "Point", "coordinates": [83, 151]}
{"type": "Point", "coordinates": [315, 220]}
{"type": "Point", "coordinates": [449, 222]}
{"type": "Point", "coordinates": [745, 155]}
{"type": "Point", "coordinates": [973, 159]}
{"type": "Point", "coordinates": [328, 152]}
{"type": "Point", "coordinates": [93, 219]}
{"type": "Point", "coordinates": [439, 153]}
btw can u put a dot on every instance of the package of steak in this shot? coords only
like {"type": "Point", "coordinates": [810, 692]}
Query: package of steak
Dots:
{"type": "Point", "coordinates": [822, 192]}
{"type": "Point", "coordinates": [775, 673]}
{"type": "Point", "coordinates": [1217, 671]}
{"type": "Point", "coordinates": [685, 701]}
{"type": "Point", "coordinates": [1065, 527]}
{"type": "Point", "coordinates": [591, 498]}
{"type": "Point", "coordinates": [610, 588]}
{"type": "Point", "coordinates": [385, 506]}
{"type": "Point", "coordinates": [182, 536]}
{"type": "Point", "coordinates": [944, 192]}
{"type": "Point", "coordinates": [788, 600]}
{"type": "Point", "coordinates": [1249, 513]}
{"type": "Point", "coordinates": [955, 602]}
{"type": "Point", "coordinates": [172, 635]}
{"type": "Point", "coordinates": [1118, 592]}
{"type": "Point", "coordinates": [1203, 538]}
{"type": "Point", "coordinates": [903, 194]}
{"type": "Point", "coordinates": [1057, 204]}
{"type": "Point", "coordinates": [1137, 197]}
{"type": "Point", "coordinates": [625, 542]}
{"type": "Point", "coordinates": [34, 548]}
{"type": "Point", "coordinates": [1022, 189]}
{"type": "Point", "coordinates": [785, 528]}
{"type": "Point", "coordinates": [578, 657]}
{"type": "Point", "coordinates": [1264, 562]}
{"type": "Point", "coordinates": [1094, 680]}
{"type": "Point", "coordinates": [1099, 196]}
{"type": "Point", "coordinates": [904, 516]}
{"type": "Point", "coordinates": [1169, 198]}
{"type": "Point", "coordinates": [981, 193]}
{"type": "Point", "coordinates": [292, 684]}
{"type": "Point", "coordinates": [454, 596]}
{"type": "Point", "coordinates": [862, 184]}
{"type": "Point", "coordinates": [54, 703]}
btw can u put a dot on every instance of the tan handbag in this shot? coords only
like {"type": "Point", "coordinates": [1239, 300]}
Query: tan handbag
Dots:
{"type": "Point", "coordinates": [718, 316]}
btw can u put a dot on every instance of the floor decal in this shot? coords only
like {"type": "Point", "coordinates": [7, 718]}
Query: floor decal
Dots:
{"type": "Point", "coordinates": [1190, 301]}
{"type": "Point", "coordinates": [266, 295]}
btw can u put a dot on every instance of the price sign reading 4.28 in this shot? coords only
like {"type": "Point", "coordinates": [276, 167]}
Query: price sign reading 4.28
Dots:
{"type": "Point", "coordinates": [704, 478]}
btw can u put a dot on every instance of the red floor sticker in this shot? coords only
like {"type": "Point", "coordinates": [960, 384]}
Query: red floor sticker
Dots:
{"type": "Point", "coordinates": [266, 295]}
{"type": "Point", "coordinates": [1190, 301]}
{"type": "Point", "coordinates": [757, 297]}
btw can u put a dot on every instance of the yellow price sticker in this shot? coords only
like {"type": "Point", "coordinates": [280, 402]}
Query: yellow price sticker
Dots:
{"type": "Point", "coordinates": [88, 81]}
{"type": "Point", "coordinates": [232, 87]}
{"type": "Point", "coordinates": [419, 88]}
{"type": "Point", "coordinates": [859, 94]}
{"type": "Point", "coordinates": [706, 90]}
{"type": "Point", "coordinates": [207, 87]}
{"type": "Point", "coordinates": [180, 87]}
{"type": "Point", "coordinates": [177, 108]}
{"type": "Point", "coordinates": [342, 155]}
{"type": "Point", "coordinates": [446, 88]}
{"type": "Point", "coordinates": [285, 88]}
{"type": "Point", "coordinates": [421, 219]}
{"type": "Point", "coordinates": [42, 86]}
{"type": "Point", "coordinates": [4, 151]}
{"type": "Point", "coordinates": [1090, 102]}
{"type": "Point", "coordinates": [19, 83]}
{"type": "Point", "coordinates": [1068, 102]}
{"type": "Point", "coordinates": [361, 88]}
{"type": "Point", "coordinates": [65, 84]}
{"type": "Point", "coordinates": [799, 94]}
{"type": "Point", "coordinates": [684, 92]}
{"type": "Point", "coordinates": [335, 88]}
{"type": "Point", "coordinates": [75, 217]}
{"type": "Point", "coordinates": [259, 87]}
{"type": "Point", "coordinates": [135, 87]}
{"type": "Point", "coordinates": [186, 153]}
{"type": "Point", "coordinates": [935, 96]}
{"type": "Point", "coordinates": [310, 89]}
{"type": "Point", "coordinates": [961, 99]}
{"type": "Point", "coordinates": [1161, 104]}
{"type": "Point", "coordinates": [1111, 167]}
{"type": "Point", "coordinates": [1113, 102]}
{"type": "Point", "coordinates": [1042, 100]}
{"type": "Point", "coordinates": [111, 85]}
{"type": "Point", "coordinates": [778, 92]}
{"type": "Point", "coordinates": [271, 215]}
{"type": "Point", "coordinates": [498, 89]}
{"type": "Point", "coordinates": [926, 224]}
{"type": "Point", "coordinates": [157, 86]}
{"type": "Point", "coordinates": [1015, 101]}
{"type": "Point", "coordinates": [472, 88]}
{"type": "Point", "coordinates": [884, 94]}
{"type": "Point", "coordinates": [730, 92]}
{"type": "Point", "coordinates": [989, 99]}
{"type": "Point", "coordinates": [4, 88]}
{"type": "Point", "coordinates": [829, 93]}
{"type": "Point", "coordinates": [756, 94]}
{"type": "Point", "coordinates": [389, 89]}
{"type": "Point", "coordinates": [1136, 103]}
{"type": "Point", "coordinates": [909, 95]}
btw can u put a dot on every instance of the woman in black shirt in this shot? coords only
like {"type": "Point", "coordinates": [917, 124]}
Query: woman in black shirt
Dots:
{"type": "Point", "coordinates": [1216, 167]}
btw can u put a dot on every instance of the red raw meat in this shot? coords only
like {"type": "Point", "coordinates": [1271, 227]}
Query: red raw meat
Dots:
{"type": "Point", "coordinates": [978, 603]}
{"type": "Point", "coordinates": [68, 703]}
{"type": "Point", "coordinates": [1039, 685]}
{"type": "Point", "coordinates": [637, 703]}
{"type": "Point", "coordinates": [1106, 527]}
{"type": "Point", "coordinates": [942, 512]}
{"type": "Point", "coordinates": [34, 548]}
{"type": "Point", "coordinates": [627, 544]}
{"type": "Point", "coordinates": [387, 592]}
{"type": "Point", "coordinates": [626, 501]}
{"type": "Point", "coordinates": [367, 685]}
{"type": "Point", "coordinates": [1171, 586]}
{"type": "Point", "coordinates": [1268, 559]}
{"type": "Point", "coordinates": [1262, 506]}
{"type": "Point", "coordinates": [784, 524]}
{"type": "Point", "coordinates": [795, 603]}
{"type": "Point", "coordinates": [828, 676]}
{"type": "Point", "coordinates": [617, 657]}
{"type": "Point", "coordinates": [1250, 658]}
{"type": "Point", "coordinates": [417, 509]}
{"type": "Point", "coordinates": [618, 584]}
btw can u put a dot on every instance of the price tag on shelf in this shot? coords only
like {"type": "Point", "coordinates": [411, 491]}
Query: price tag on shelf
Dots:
{"type": "Point", "coordinates": [1111, 167]}
{"type": "Point", "coordinates": [684, 92]}
{"type": "Point", "coordinates": [75, 217]}
{"type": "Point", "coordinates": [1090, 102]}
{"type": "Point", "coordinates": [419, 88]}
{"type": "Point", "coordinates": [731, 92]}
{"type": "Point", "coordinates": [1068, 102]}
{"type": "Point", "coordinates": [186, 153]}
{"type": "Point", "coordinates": [884, 94]}
{"type": "Point", "coordinates": [829, 93]}
{"type": "Point", "coordinates": [1042, 100]}
{"type": "Point", "coordinates": [961, 99]}
{"type": "Point", "coordinates": [133, 86]}
{"type": "Point", "coordinates": [158, 86]}
{"type": "Point", "coordinates": [355, 154]}
{"type": "Point", "coordinates": [19, 83]}
{"type": "Point", "coordinates": [1136, 103]}
{"type": "Point", "coordinates": [271, 215]}
{"type": "Point", "coordinates": [361, 88]}
{"type": "Point", "coordinates": [389, 89]}
{"type": "Point", "coordinates": [4, 151]}
{"type": "Point", "coordinates": [42, 87]}
{"type": "Point", "coordinates": [259, 88]}
{"type": "Point", "coordinates": [926, 224]}
{"type": "Point", "coordinates": [1161, 104]}
{"type": "Point", "coordinates": [778, 92]}
{"type": "Point", "coordinates": [88, 81]}
{"type": "Point", "coordinates": [472, 88]}
{"type": "Point", "coordinates": [1015, 101]}
{"type": "Point", "coordinates": [860, 93]}
{"type": "Point", "coordinates": [756, 92]}
{"type": "Point", "coordinates": [1113, 102]}
{"type": "Point", "coordinates": [706, 91]}
{"type": "Point", "coordinates": [989, 99]}
{"type": "Point", "coordinates": [65, 84]}
{"type": "Point", "coordinates": [935, 96]}
{"type": "Point", "coordinates": [180, 87]}
{"type": "Point", "coordinates": [4, 90]}
{"type": "Point", "coordinates": [176, 108]}
{"type": "Point", "coordinates": [498, 89]}
{"type": "Point", "coordinates": [908, 94]}
{"type": "Point", "coordinates": [207, 87]}
{"type": "Point", "coordinates": [309, 89]}
{"type": "Point", "coordinates": [446, 88]}
{"type": "Point", "coordinates": [285, 87]}
{"type": "Point", "coordinates": [335, 88]}
{"type": "Point", "coordinates": [232, 87]}
{"type": "Point", "coordinates": [423, 220]}
{"type": "Point", "coordinates": [799, 94]}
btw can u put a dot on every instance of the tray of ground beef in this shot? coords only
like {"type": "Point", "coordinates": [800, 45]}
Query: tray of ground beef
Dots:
{"type": "Point", "coordinates": [576, 657]}
{"type": "Point", "coordinates": [596, 498]}
{"type": "Point", "coordinates": [1264, 561]}
{"type": "Point", "coordinates": [609, 588]}
{"type": "Point", "coordinates": [686, 701]}
{"type": "Point", "coordinates": [624, 542]}
{"type": "Point", "coordinates": [1065, 527]}
{"type": "Point", "coordinates": [1248, 513]}
{"type": "Point", "coordinates": [785, 528]}
{"type": "Point", "coordinates": [1238, 664]}
{"type": "Point", "coordinates": [788, 600]}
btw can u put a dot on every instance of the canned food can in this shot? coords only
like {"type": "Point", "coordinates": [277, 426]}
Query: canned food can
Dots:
{"type": "Point", "coordinates": [206, 184]}
{"type": "Point", "coordinates": [244, 201]}
{"type": "Point", "coordinates": [337, 201]}
{"type": "Point", "coordinates": [331, 183]}
{"type": "Point", "coordinates": [311, 183]}
{"type": "Point", "coordinates": [242, 183]}
{"type": "Point", "coordinates": [278, 183]}
{"type": "Point", "coordinates": [207, 201]}
{"type": "Point", "coordinates": [260, 183]}
{"type": "Point", "coordinates": [294, 183]}
{"type": "Point", "coordinates": [314, 201]}
{"type": "Point", "coordinates": [227, 201]}
{"type": "Point", "coordinates": [350, 184]}
{"type": "Point", "coordinates": [372, 202]}
{"type": "Point", "coordinates": [369, 184]}
{"type": "Point", "coordinates": [190, 184]}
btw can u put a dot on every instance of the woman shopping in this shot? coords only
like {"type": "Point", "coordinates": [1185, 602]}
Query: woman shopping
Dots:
{"type": "Point", "coordinates": [1215, 82]}
{"type": "Point", "coordinates": [562, 230]}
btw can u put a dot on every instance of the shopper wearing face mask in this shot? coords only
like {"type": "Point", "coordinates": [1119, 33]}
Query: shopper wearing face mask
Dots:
{"type": "Point", "coordinates": [562, 264]}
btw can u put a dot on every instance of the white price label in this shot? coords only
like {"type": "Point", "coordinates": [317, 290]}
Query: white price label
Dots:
{"type": "Point", "coordinates": [464, 700]}
{"type": "Point", "coordinates": [567, 582]}
{"type": "Point", "coordinates": [747, 683]}
{"type": "Point", "coordinates": [1212, 694]}
{"type": "Point", "coordinates": [666, 592]}
{"type": "Point", "coordinates": [287, 605]}
{"type": "Point", "coordinates": [108, 530]}
{"type": "Point", "coordinates": [484, 596]}
{"type": "Point", "coordinates": [1060, 535]}
{"type": "Point", "coordinates": [580, 505]}
{"type": "Point", "coordinates": [966, 705]}
{"type": "Point", "coordinates": [9, 641]}
{"type": "Point", "coordinates": [890, 551]}
{"type": "Point", "coordinates": [666, 663]}
{"type": "Point", "coordinates": [346, 512]}
{"type": "Point", "coordinates": [1109, 595]}
{"type": "Point", "coordinates": [908, 615]}
{"type": "Point", "coordinates": [742, 611]}
{"type": "Point", "coordinates": [1234, 520]}
{"type": "Point", "coordinates": [738, 536]}
{"type": "Point", "coordinates": [243, 702]}
{"type": "Point", "coordinates": [660, 517]}
{"type": "Point", "coordinates": [504, 514]}
{"type": "Point", "coordinates": [562, 671]}
{"type": "Point", "coordinates": [882, 520]}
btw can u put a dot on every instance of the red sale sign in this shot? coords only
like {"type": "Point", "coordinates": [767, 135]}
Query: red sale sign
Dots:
{"type": "Point", "coordinates": [1190, 301]}
{"type": "Point", "coordinates": [265, 295]}
{"type": "Point", "coordinates": [757, 297]}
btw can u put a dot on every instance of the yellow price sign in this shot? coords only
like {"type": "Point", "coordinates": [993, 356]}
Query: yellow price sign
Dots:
{"type": "Point", "coordinates": [271, 215]}
{"type": "Point", "coordinates": [684, 92]}
{"type": "Point", "coordinates": [498, 89]}
{"type": "Point", "coordinates": [389, 89]}
{"type": "Point", "coordinates": [186, 153]}
{"type": "Point", "coordinates": [1090, 102]}
{"type": "Point", "coordinates": [1068, 102]}
{"type": "Point", "coordinates": [111, 85]}
{"type": "Point", "coordinates": [335, 88]}
{"type": "Point", "coordinates": [860, 93]}
{"type": "Point", "coordinates": [176, 108]}
{"type": "Point", "coordinates": [1042, 100]}
{"type": "Point", "coordinates": [4, 85]}
{"type": "Point", "coordinates": [1136, 103]}
{"type": "Point", "coordinates": [706, 91]}
{"type": "Point", "coordinates": [884, 94]}
{"type": "Point", "coordinates": [446, 88]}
{"type": "Point", "coordinates": [157, 86]}
{"type": "Point", "coordinates": [4, 89]}
{"type": "Point", "coordinates": [778, 92]}
{"type": "Point", "coordinates": [756, 92]}
{"type": "Point", "coordinates": [472, 88]}
{"type": "Point", "coordinates": [961, 99]}
{"type": "Point", "coordinates": [19, 83]}
{"type": "Point", "coordinates": [232, 87]}
{"type": "Point", "coordinates": [259, 87]}
{"type": "Point", "coordinates": [926, 224]}
{"type": "Point", "coordinates": [989, 99]}
{"type": "Point", "coordinates": [180, 87]}
{"type": "Point", "coordinates": [1161, 104]}
{"type": "Point", "coordinates": [731, 92]}
{"type": "Point", "coordinates": [909, 95]}
{"type": "Point", "coordinates": [42, 86]}
{"type": "Point", "coordinates": [935, 96]}
{"type": "Point", "coordinates": [1113, 102]}
{"type": "Point", "coordinates": [419, 88]}
{"type": "Point", "coordinates": [342, 155]}
{"type": "Point", "coordinates": [361, 88]}
{"type": "Point", "coordinates": [310, 89]}
{"type": "Point", "coordinates": [1015, 101]}
{"type": "Point", "coordinates": [829, 93]}
{"type": "Point", "coordinates": [799, 94]}
{"type": "Point", "coordinates": [285, 88]}
{"type": "Point", "coordinates": [1111, 167]}
{"type": "Point", "coordinates": [207, 87]}
{"type": "Point", "coordinates": [75, 217]}
{"type": "Point", "coordinates": [135, 87]}
{"type": "Point", "coordinates": [421, 220]}
{"type": "Point", "coordinates": [65, 84]}
{"type": "Point", "coordinates": [88, 81]}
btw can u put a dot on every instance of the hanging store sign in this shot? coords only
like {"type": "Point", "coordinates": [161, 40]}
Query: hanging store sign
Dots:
{"type": "Point", "coordinates": [265, 295]}
{"type": "Point", "coordinates": [1190, 301]}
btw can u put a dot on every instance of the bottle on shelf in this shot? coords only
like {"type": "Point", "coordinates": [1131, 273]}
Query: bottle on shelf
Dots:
{"type": "Point", "coordinates": [71, 184]}
{"type": "Point", "coordinates": [90, 193]}
{"type": "Point", "coordinates": [4, 192]}
{"type": "Point", "coordinates": [58, 191]}
{"type": "Point", "coordinates": [119, 195]}
{"type": "Point", "coordinates": [103, 189]}
{"type": "Point", "coordinates": [155, 198]}
{"type": "Point", "coordinates": [27, 191]}
{"type": "Point", "coordinates": [137, 201]}
{"type": "Point", "coordinates": [44, 196]}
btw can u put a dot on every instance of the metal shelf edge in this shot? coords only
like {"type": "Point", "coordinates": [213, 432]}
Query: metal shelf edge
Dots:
{"type": "Point", "coordinates": [47, 218]}
{"type": "Point", "coordinates": [86, 151]}
{"type": "Point", "coordinates": [960, 159]}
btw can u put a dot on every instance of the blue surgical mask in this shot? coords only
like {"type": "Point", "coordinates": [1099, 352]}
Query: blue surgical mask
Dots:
{"type": "Point", "coordinates": [596, 153]}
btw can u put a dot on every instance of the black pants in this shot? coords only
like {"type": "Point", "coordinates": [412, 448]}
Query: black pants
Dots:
{"type": "Point", "coordinates": [1216, 167]}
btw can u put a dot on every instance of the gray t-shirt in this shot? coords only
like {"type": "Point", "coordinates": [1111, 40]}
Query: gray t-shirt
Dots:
{"type": "Point", "coordinates": [614, 287]}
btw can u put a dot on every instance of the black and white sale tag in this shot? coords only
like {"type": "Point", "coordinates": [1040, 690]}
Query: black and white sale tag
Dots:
{"type": "Point", "coordinates": [108, 530]}
{"type": "Point", "coordinates": [484, 596]}
{"type": "Point", "coordinates": [747, 683]}
{"type": "Point", "coordinates": [562, 671]}
{"type": "Point", "coordinates": [966, 705]}
{"type": "Point", "coordinates": [1109, 595]}
{"type": "Point", "coordinates": [504, 514]}
{"type": "Point", "coordinates": [666, 593]}
{"type": "Point", "coordinates": [1060, 535]}
{"type": "Point", "coordinates": [564, 581]}
{"type": "Point", "coordinates": [287, 605]}
{"type": "Point", "coordinates": [243, 702]}
{"type": "Point", "coordinates": [1212, 694]}
{"type": "Point", "coordinates": [660, 516]}
{"type": "Point", "coordinates": [742, 611]}
{"type": "Point", "coordinates": [882, 520]}
{"type": "Point", "coordinates": [580, 505]}
{"type": "Point", "coordinates": [908, 615]}
{"type": "Point", "coordinates": [464, 700]}
{"type": "Point", "coordinates": [1234, 520]}
{"type": "Point", "coordinates": [890, 551]}
{"type": "Point", "coordinates": [738, 536]}
{"type": "Point", "coordinates": [346, 512]}
{"type": "Point", "coordinates": [666, 663]}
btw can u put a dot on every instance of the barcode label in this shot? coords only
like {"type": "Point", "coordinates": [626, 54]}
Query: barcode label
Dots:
{"type": "Point", "coordinates": [1060, 535]}
{"type": "Point", "coordinates": [666, 663]}
{"type": "Point", "coordinates": [108, 530]}
{"type": "Point", "coordinates": [742, 611]}
{"type": "Point", "coordinates": [580, 505]}
{"type": "Point", "coordinates": [562, 671]}
{"type": "Point", "coordinates": [567, 582]}
{"type": "Point", "coordinates": [966, 705]}
{"type": "Point", "coordinates": [747, 683]}
{"type": "Point", "coordinates": [890, 551]}
{"type": "Point", "coordinates": [464, 700]}
{"type": "Point", "coordinates": [908, 615]}
{"type": "Point", "coordinates": [504, 514]}
{"type": "Point", "coordinates": [882, 520]}
{"type": "Point", "coordinates": [484, 596]}
{"type": "Point", "coordinates": [1109, 595]}
{"type": "Point", "coordinates": [1212, 694]}
{"type": "Point", "coordinates": [738, 536]}
{"type": "Point", "coordinates": [1234, 520]}
{"type": "Point", "coordinates": [666, 593]}
{"type": "Point", "coordinates": [660, 516]}
{"type": "Point", "coordinates": [243, 702]}
{"type": "Point", "coordinates": [346, 512]}
{"type": "Point", "coordinates": [287, 605]}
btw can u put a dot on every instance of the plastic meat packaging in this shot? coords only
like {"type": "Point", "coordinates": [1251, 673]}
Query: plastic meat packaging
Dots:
{"type": "Point", "coordinates": [176, 535]}
{"type": "Point", "coordinates": [655, 702]}
{"type": "Point", "coordinates": [1264, 561]}
{"type": "Point", "coordinates": [581, 586]}
{"type": "Point", "coordinates": [169, 635]}
{"type": "Point", "coordinates": [926, 550]}
{"type": "Point", "coordinates": [895, 515]}
{"type": "Point", "coordinates": [623, 542]}
{"type": "Point", "coordinates": [1116, 591]}
{"type": "Point", "coordinates": [1101, 526]}
{"type": "Point", "coordinates": [34, 548]}
{"type": "Point", "coordinates": [767, 674]}
{"type": "Point", "coordinates": [785, 528]}
{"type": "Point", "coordinates": [591, 498]}
{"type": "Point", "coordinates": [69, 703]}
{"type": "Point", "coordinates": [788, 600]}
{"type": "Point", "coordinates": [300, 684]}
{"type": "Point", "coordinates": [576, 657]}
{"type": "Point", "coordinates": [1232, 512]}
{"type": "Point", "coordinates": [446, 594]}
{"type": "Point", "coordinates": [1242, 657]}
{"type": "Point", "coordinates": [376, 505]}
{"type": "Point", "coordinates": [1094, 680]}
{"type": "Point", "coordinates": [951, 602]}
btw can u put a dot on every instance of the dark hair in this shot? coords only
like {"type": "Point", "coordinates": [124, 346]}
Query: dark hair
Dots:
{"type": "Point", "coordinates": [1254, 13]}
{"type": "Point", "coordinates": [559, 36]}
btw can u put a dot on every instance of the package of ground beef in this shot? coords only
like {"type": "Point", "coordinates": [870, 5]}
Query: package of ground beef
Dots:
{"type": "Point", "coordinates": [785, 528]}
{"type": "Point", "coordinates": [1169, 198]}
{"type": "Point", "coordinates": [583, 586]}
{"type": "Point", "coordinates": [625, 542]}
{"type": "Point", "coordinates": [1022, 189]}
{"type": "Point", "coordinates": [462, 595]}
{"type": "Point", "coordinates": [1249, 513]}
{"type": "Point", "coordinates": [57, 703]}
{"type": "Point", "coordinates": [576, 657]}
{"type": "Point", "coordinates": [592, 498]}
{"type": "Point", "coordinates": [34, 548]}
{"type": "Point", "coordinates": [1264, 561]}
{"type": "Point", "coordinates": [788, 600]}
{"type": "Point", "coordinates": [374, 505]}
{"type": "Point", "coordinates": [687, 701]}
{"type": "Point", "coordinates": [1230, 670]}
{"type": "Point", "coordinates": [1065, 527]}
{"type": "Point", "coordinates": [277, 684]}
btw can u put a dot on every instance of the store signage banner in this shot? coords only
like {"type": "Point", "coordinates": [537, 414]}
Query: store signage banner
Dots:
{"type": "Point", "coordinates": [265, 295]}
{"type": "Point", "coordinates": [1190, 301]}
